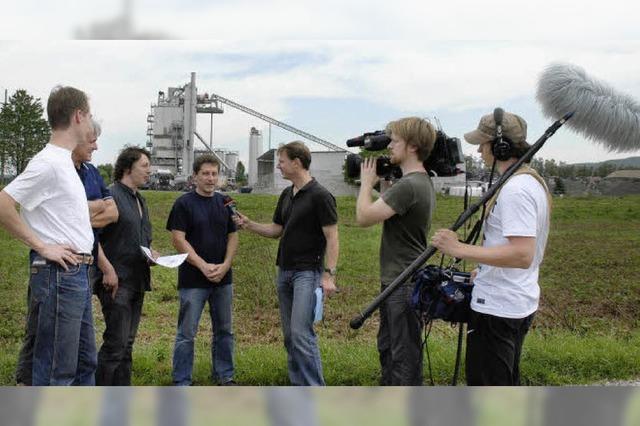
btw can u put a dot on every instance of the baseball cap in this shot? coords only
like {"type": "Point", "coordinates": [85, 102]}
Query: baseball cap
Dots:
{"type": "Point", "coordinates": [513, 127]}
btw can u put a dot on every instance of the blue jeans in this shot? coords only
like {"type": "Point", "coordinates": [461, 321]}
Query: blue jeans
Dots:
{"type": "Point", "coordinates": [296, 295]}
{"type": "Point", "coordinates": [192, 301]}
{"type": "Point", "coordinates": [64, 348]}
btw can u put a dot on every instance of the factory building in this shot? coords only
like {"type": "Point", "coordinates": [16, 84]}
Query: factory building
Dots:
{"type": "Point", "coordinates": [326, 167]}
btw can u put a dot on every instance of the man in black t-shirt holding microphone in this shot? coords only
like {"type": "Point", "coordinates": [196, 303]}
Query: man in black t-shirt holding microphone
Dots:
{"type": "Point", "coordinates": [305, 220]}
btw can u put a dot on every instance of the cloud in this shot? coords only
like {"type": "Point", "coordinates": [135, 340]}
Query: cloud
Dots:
{"type": "Point", "coordinates": [456, 80]}
{"type": "Point", "coordinates": [330, 19]}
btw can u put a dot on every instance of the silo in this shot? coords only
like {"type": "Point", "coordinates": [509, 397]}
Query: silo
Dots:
{"type": "Point", "coordinates": [219, 153]}
{"type": "Point", "coordinates": [255, 151]}
{"type": "Point", "coordinates": [231, 158]}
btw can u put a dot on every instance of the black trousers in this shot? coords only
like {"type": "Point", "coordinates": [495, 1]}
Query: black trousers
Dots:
{"type": "Point", "coordinates": [399, 340]}
{"type": "Point", "coordinates": [121, 317]}
{"type": "Point", "coordinates": [494, 345]}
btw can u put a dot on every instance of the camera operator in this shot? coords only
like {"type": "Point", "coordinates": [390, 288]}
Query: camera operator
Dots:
{"type": "Point", "coordinates": [405, 210]}
{"type": "Point", "coordinates": [506, 292]}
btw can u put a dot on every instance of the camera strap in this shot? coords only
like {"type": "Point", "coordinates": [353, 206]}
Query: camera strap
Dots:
{"type": "Point", "coordinates": [523, 170]}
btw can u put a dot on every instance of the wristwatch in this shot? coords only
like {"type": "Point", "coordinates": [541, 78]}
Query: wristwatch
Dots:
{"type": "Point", "coordinates": [331, 271]}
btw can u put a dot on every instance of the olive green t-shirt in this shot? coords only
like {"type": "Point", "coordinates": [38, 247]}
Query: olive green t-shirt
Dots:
{"type": "Point", "coordinates": [404, 234]}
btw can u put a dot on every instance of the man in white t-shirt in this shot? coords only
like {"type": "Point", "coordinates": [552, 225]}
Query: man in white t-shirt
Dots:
{"type": "Point", "coordinates": [54, 223]}
{"type": "Point", "coordinates": [506, 292]}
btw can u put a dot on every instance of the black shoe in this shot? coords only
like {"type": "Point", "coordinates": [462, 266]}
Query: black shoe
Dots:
{"type": "Point", "coordinates": [229, 382]}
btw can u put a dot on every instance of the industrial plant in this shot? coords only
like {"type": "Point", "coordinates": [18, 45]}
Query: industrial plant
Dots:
{"type": "Point", "coordinates": [174, 143]}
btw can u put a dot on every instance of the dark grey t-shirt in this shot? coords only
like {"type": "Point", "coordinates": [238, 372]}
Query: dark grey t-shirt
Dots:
{"type": "Point", "coordinates": [404, 234]}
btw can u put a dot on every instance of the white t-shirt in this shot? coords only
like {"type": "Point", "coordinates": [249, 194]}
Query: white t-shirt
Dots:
{"type": "Point", "coordinates": [521, 210]}
{"type": "Point", "coordinates": [53, 201]}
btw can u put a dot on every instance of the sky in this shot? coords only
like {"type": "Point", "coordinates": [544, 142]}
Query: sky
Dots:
{"type": "Point", "coordinates": [433, 63]}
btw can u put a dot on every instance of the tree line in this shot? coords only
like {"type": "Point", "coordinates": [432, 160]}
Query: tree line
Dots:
{"type": "Point", "coordinates": [23, 132]}
{"type": "Point", "coordinates": [476, 170]}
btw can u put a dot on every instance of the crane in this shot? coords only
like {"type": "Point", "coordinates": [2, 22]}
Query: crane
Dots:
{"type": "Point", "coordinates": [217, 98]}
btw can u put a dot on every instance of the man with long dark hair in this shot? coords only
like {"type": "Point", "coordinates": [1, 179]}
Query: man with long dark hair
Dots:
{"type": "Point", "coordinates": [125, 269]}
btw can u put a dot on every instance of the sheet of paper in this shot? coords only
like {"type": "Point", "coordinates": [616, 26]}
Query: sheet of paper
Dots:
{"type": "Point", "coordinates": [166, 261]}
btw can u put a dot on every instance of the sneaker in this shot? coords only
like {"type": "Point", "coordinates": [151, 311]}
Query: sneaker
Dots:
{"type": "Point", "coordinates": [229, 382]}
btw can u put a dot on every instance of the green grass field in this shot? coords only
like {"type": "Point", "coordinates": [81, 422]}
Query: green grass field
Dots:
{"type": "Point", "coordinates": [586, 330]}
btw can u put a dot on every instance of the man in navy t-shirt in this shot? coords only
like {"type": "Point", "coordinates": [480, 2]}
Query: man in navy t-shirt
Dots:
{"type": "Point", "coordinates": [202, 226]}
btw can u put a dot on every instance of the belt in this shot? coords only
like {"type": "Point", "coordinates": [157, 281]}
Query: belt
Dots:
{"type": "Point", "coordinates": [83, 258]}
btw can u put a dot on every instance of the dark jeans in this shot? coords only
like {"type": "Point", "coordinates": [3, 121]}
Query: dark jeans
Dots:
{"type": "Point", "coordinates": [59, 345]}
{"type": "Point", "coordinates": [25, 357]}
{"type": "Point", "coordinates": [399, 340]}
{"type": "Point", "coordinates": [494, 345]}
{"type": "Point", "coordinates": [121, 317]}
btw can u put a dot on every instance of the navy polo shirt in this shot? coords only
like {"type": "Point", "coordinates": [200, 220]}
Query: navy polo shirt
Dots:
{"type": "Point", "coordinates": [207, 224]}
{"type": "Point", "coordinates": [95, 189]}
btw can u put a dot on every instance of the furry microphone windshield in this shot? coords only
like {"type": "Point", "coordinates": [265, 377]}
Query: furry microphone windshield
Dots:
{"type": "Point", "coordinates": [601, 114]}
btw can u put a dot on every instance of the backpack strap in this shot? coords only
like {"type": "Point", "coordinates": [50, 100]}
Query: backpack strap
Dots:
{"type": "Point", "coordinates": [523, 170]}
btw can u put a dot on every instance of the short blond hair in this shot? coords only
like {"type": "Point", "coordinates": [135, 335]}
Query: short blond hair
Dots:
{"type": "Point", "coordinates": [415, 131]}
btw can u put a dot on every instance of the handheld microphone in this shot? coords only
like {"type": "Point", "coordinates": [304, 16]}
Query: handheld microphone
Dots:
{"type": "Point", "coordinates": [600, 113]}
{"type": "Point", "coordinates": [230, 204]}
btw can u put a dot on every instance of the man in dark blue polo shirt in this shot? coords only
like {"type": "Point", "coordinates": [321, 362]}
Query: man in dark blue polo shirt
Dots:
{"type": "Point", "coordinates": [306, 220]}
{"type": "Point", "coordinates": [103, 211]}
{"type": "Point", "coordinates": [202, 226]}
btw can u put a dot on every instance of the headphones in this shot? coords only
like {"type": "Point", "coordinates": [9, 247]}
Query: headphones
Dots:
{"type": "Point", "coordinates": [501, 147]}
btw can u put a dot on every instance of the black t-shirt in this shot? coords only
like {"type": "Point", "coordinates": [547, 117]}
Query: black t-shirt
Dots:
{"type": "Point", "coordinates": [207, 224]}
{"type": "Point", "coordinates": [302, 216]}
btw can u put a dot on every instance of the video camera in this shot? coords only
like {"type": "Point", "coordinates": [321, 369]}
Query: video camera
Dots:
{"type": "Point", "coordinates": [443, 160]}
